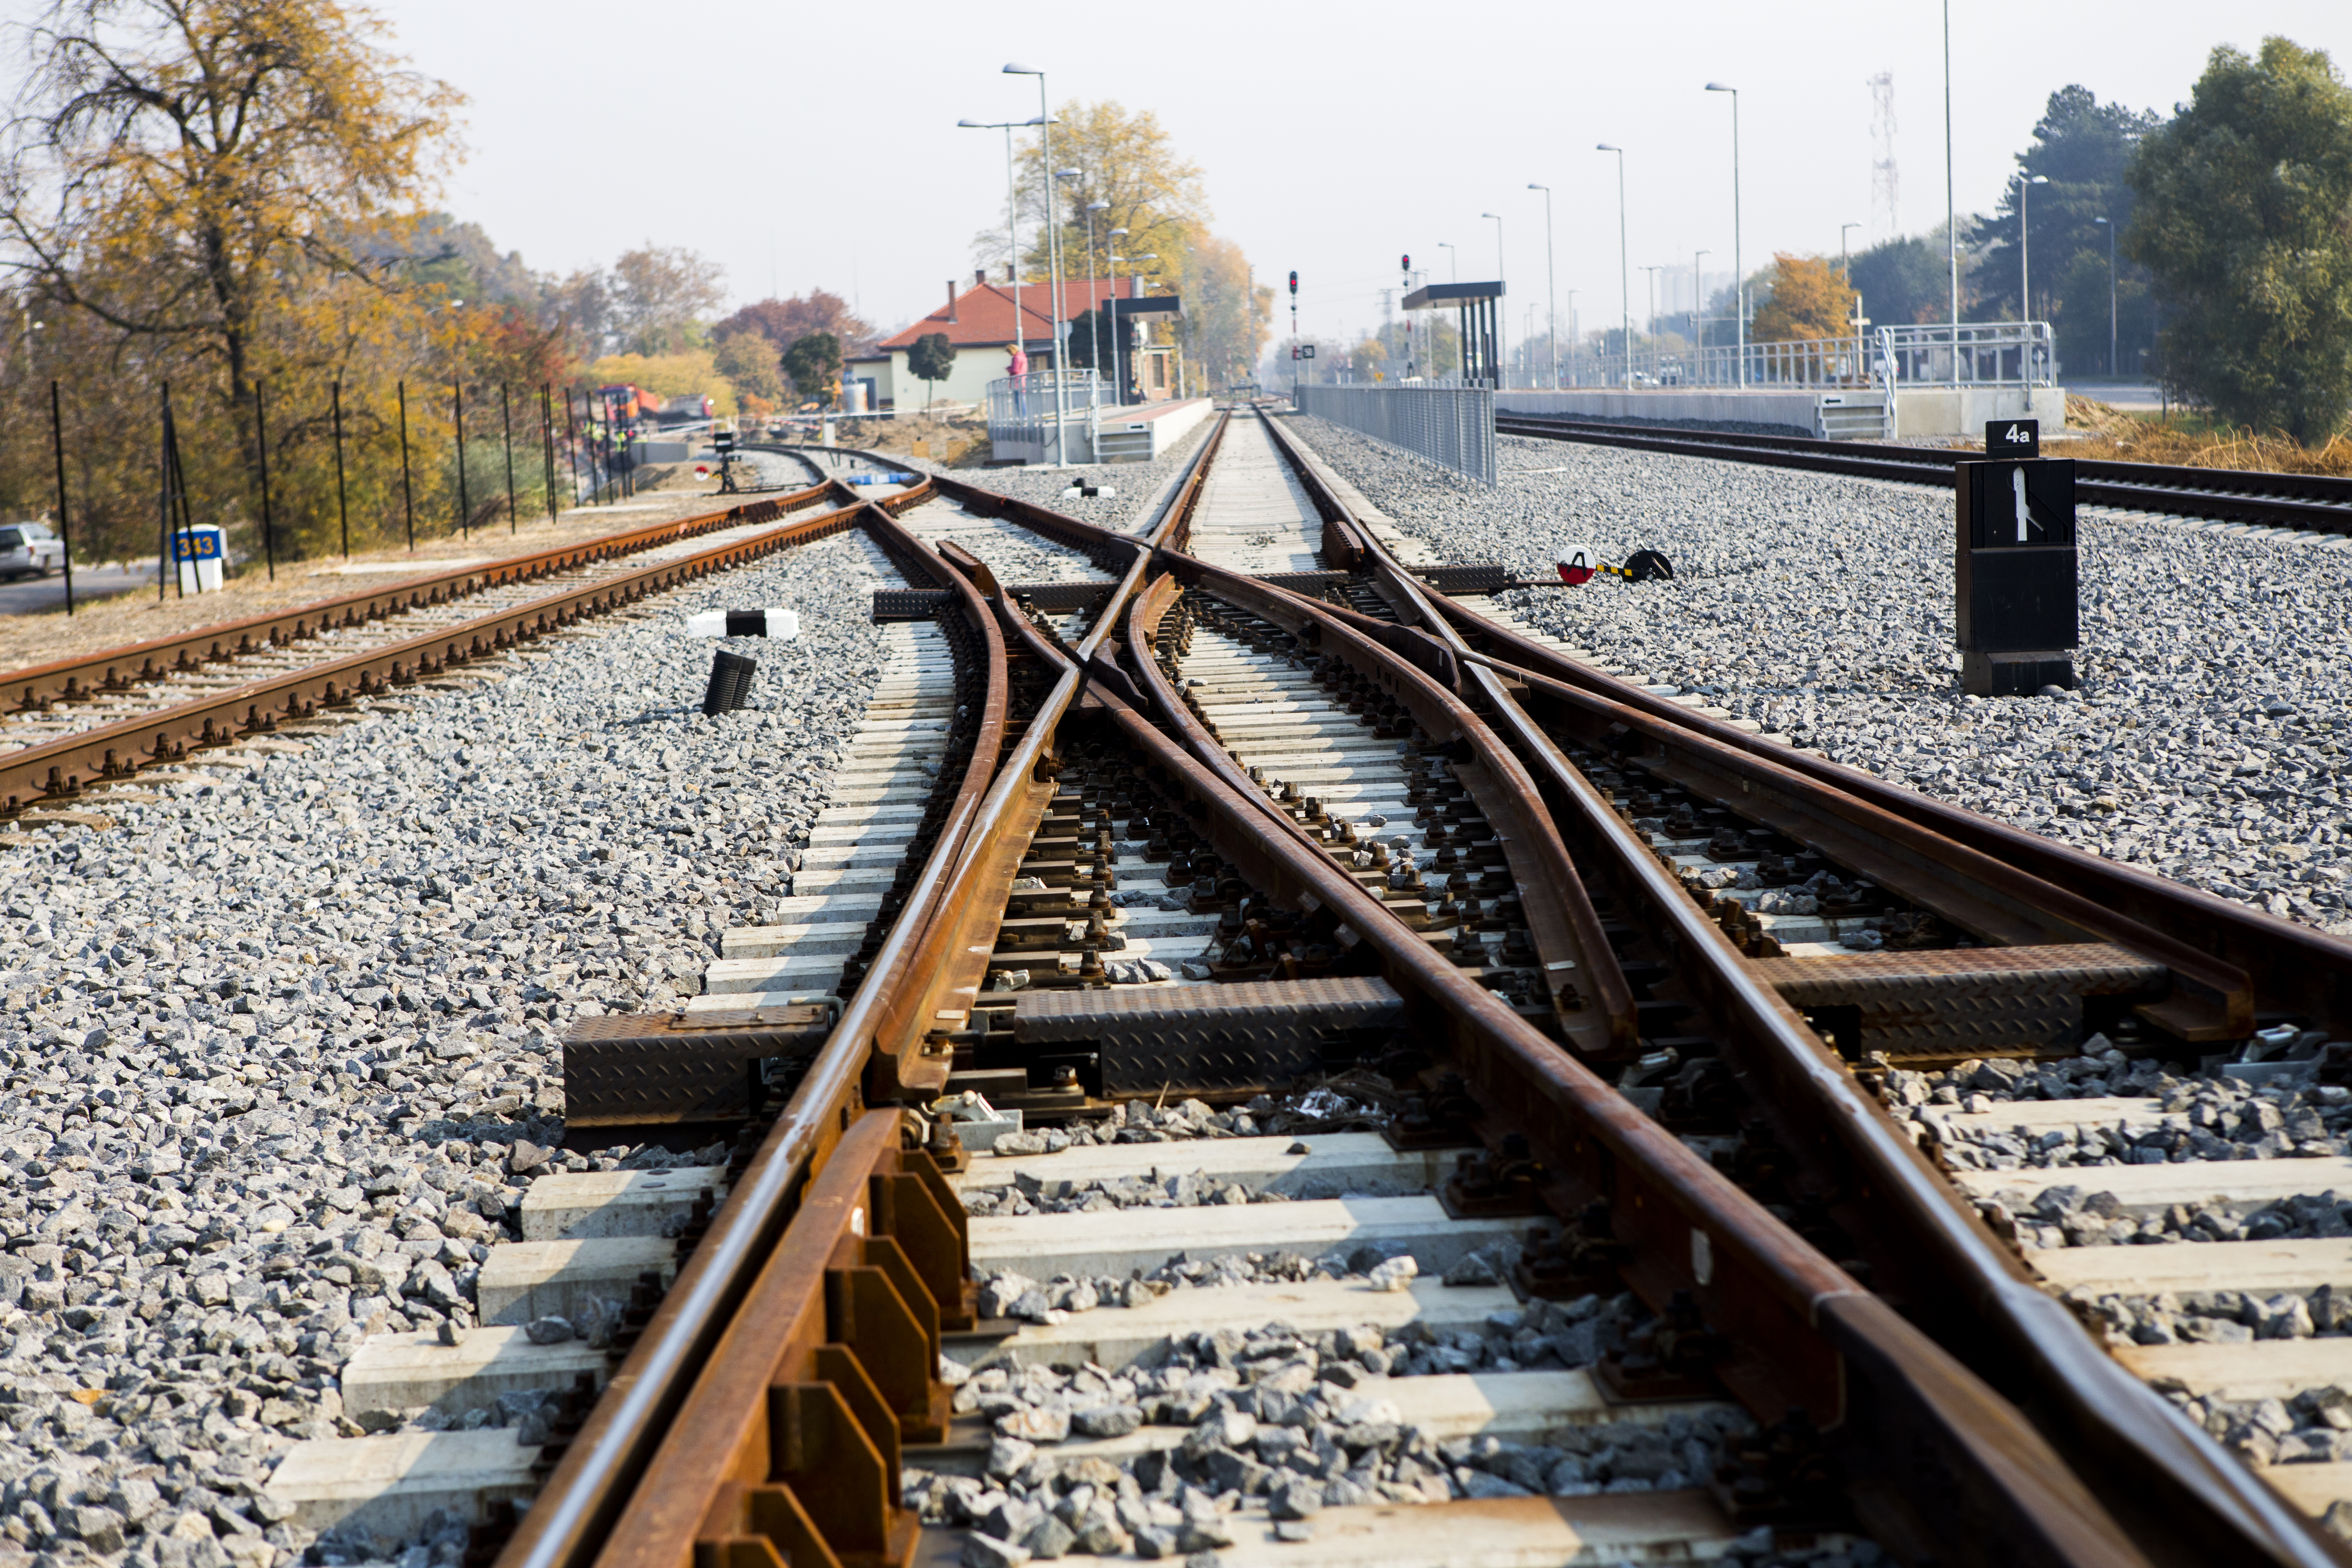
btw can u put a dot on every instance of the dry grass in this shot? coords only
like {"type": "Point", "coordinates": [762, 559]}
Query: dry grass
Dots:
{"type": "Point", "coordinates": [2120, 436]}
{"type": "Point", "coordinates": [954, 440]}
{"type": "Point", "coordinates": [26, 640]}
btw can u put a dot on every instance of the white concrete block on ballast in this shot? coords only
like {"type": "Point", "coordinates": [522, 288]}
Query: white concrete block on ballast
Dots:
{"type": "Point", "coordinates": [1115, 1336]}
{"type": "Point", "coordinates": [615, 1203]}
{"type": "Point", "coordinates": [525, 1279]}
{"type": "Point", "coordinates": [1336, 1164]}
{"type": "Point", "coordinates": [405, 1371]}
{"type": "Point", "coordinates": [388, 1486]}
{"type": "Point", "coordinates": [1115, 1241]}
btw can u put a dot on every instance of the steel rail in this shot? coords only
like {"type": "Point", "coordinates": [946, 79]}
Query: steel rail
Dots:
{"type": "Point", "coordinates": [1779, 1302]}
{"type": "Point", "coordinates": [37, 689]}
{"type": "Point", "coordinates": [1988, 1424]}
{"type": "Point", "coordinates": [1890, 1397]}
{"type": "Point", "coordinates": [2292, 967]}
{"type": "Point", "coordinates": [2321, 503]}
{"type": "Point", "coordinates": [2183, 1498]}
{"type": "Point", "coordinates": [593, 1482]}
{"type": "Point", "coordinates": [617, 1495]}
{"type": "Point", "coordinates": [59, 768]}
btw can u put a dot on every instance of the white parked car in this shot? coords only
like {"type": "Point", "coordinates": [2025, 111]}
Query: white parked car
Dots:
{"type": "Point", "coordinates": [29, 550]}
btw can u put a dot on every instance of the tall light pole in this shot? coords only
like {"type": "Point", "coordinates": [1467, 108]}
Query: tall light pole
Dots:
{"type": "Point", "coordinates": [1052, 266]}
{"type": "Point", "coordinates": [2025, 245]}
{"type": "Point", "coordinates": [1738, 273]}
{"type": "Point", "coordinates": [1094, 306]}
{"type": "Point", "coordinates": [1551, 289]}
{"type": "Point", "coordinates": [1951, 208]}
{"type": "Point", "coordinates": [1846, 258]}
{"type": "Point", "coordinates": [1118, 386]}
{"type": "Point", "coordinates": [2111, 295]}
{"type": "Point", "coordinates": [1453, 261]}
{"type": "Point", "coordinates": [1502, 352]}
{"type": "Point", "coordinates": [1012, 220]}
{"type": "Point", "coordinates": [1698, 304]}
{"type": "Point", "coordinates": [1624, 272]}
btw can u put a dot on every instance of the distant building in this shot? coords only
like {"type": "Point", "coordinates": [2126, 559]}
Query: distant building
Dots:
{"type": "Point", "coordinates": [979, 323]}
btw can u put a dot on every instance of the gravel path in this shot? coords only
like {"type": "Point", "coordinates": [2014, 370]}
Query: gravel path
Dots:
{"type": "Point", "coordinates": [276, 1044]}
{"type": "Point", "coordinates": [2208, 742]}
{"type": "Point", "coordinates": [1137, 483]}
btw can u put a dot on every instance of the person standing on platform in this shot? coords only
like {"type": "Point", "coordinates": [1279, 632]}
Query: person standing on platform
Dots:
{"type": "Point", "coordinates": [1019, 372]}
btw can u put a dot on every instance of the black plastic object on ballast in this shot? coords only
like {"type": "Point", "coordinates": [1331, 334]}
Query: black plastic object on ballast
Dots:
{"type": "Point", "coordinates": [731, 683]}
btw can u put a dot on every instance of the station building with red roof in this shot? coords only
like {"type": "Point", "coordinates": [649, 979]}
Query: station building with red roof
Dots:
{"type": "Point", "coordinates": [978, 320]}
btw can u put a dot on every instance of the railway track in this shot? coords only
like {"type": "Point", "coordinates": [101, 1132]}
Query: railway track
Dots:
{"type": "Point", "coordinates": [817, 1392]}
{"type": "Point", "coordinates": [1653, 1037]}
{"type": "Point", "coordinates": [2315, 506]}
{"type": "Point", "coordinates": [92, 722]}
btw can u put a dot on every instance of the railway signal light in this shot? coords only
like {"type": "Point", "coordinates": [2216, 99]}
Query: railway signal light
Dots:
{"type": "Point", "coordinates": [1294, 281]}
{"type": "Point", "coordinates": [1405, 262]}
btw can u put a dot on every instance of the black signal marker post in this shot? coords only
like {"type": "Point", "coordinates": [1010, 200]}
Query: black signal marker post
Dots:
{"type": "Point", "coordinates": [2017, 599]}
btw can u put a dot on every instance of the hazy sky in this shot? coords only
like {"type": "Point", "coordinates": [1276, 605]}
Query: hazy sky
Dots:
{"type": "Point", "coordinates": [816, 145]}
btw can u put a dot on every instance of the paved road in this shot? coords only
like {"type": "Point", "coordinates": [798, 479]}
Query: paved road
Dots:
{"type": "Point", "coordinates": [2136, 396]}
{"type": "Point", "coordinates": [31, 595]}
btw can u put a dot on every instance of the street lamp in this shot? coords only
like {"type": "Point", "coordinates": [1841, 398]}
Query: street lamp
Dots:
{"type": "Point", "coordinates": [1738, 276]}
{"type": "Point", "coordinates": [2025, 245]}
{"type": "Point", "coordinates": [1502, 352]}
{"type": "Point", "coordinates": [1551, 289]}
{"type": "Point", "coordinates": [1094, 306]}
{"type": "Point", "coordinates": [2111, 295]}
{"type": "Point", "coordinates": [1698, 306]}
{"type": "Point", "coordinates": [1012, 226]}
{"type": "Point", "coordinates": [1846, 258]}
{"type": "Point", "coordinates": [1053, 267]}
{"type": "Point", "coordinates": [1454, 262]}
{"type": "Point", "coordinates": [1624, 272]}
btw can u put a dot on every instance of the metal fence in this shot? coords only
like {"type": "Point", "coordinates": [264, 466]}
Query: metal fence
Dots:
{"type": "Point", "coordinates": [1450, 424]}
{"type": "Point", "coordinates": [1997, 353]}
{"type": "Point", "coordinates": [1027, 413]}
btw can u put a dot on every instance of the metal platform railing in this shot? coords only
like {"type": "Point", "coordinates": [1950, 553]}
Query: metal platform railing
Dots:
{"type": "Point", "coordinates": [1450, 424]}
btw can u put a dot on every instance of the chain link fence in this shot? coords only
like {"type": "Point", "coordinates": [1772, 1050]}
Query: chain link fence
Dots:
{"type": "Point", "coordinates": [1450, 424]}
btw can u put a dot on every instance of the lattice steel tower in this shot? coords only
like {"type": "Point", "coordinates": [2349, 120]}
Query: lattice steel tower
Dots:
{"type": "Point", "coordinates": [1886, 185]}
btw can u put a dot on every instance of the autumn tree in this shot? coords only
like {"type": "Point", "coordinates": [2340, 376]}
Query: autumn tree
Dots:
{"type": "Point", "coordinates": [749, 361]}
{"type": "Point", "coordinates": [814, 365]}
{"type": "Point", "coordinates": [2242, 209]}
{"type": "Point", "coordinates": [932, 358]}
{"type": "Point", "coordinates": [784, 322]}
{"type": "Point", "coordinates": [195, 175]}
{"type": "Point", "coordinates": [1808, 301]}
{"type": "Point", "coordinates": [661, 295]}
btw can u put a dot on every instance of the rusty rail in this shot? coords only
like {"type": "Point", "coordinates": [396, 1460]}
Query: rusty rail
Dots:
{"type": "Point", "coordinates": [616, 1493]}
{"type": "Point", "coordinates": [60, 768]}
{"type": "Point", "coordinates": [37, 689]}
{"type": "Point", "coordinates": [2184, 1499]}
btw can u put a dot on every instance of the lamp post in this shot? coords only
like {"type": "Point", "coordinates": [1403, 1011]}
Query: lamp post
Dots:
{"type": "Point", "coordinates": [2111, 294]}
{"type": "Point", "coordinates": [2025, 245]}
{"type": "Point", "coordinates": [1052, 266]}
{"type": "Point", "coordinates": [1551, 289]}
{"type": "Point", "coordinates": [1846, 258]}
{"type": "Point", "coordinates": [1502, 352]}
{"type": "Point", "coordinates": [1011, 222]}
{"type": "Point", "coordinates": [1951, 208]}
{"type": "Point", "coordinates": [1698, 306]}
{"type": "Point", "coordinates": [1738, 274]}
{"type": "Point", "coordinates": [1650, 322]}
{"type": "Point", "coordinates": [1624, 272]}
{"type": "Point", "coordinates": [1094, 306]}
{"type": "Point", "coordinates": [1453, 261]}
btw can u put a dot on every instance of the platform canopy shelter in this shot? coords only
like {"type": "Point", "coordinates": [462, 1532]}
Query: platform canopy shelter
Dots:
{"type": "Point", "coordinates": [1475, 305]}
{"type": "Point", "coordinates": [1126, 316]}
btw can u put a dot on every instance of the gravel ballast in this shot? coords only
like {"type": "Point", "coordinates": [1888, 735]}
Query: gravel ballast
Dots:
{"type": "Point", "coordinates": [1137, 483]}
{"type": "Point", "coordinates": [281, 1047]}
{"type": "Point", "coordinates": [2208, 742]}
